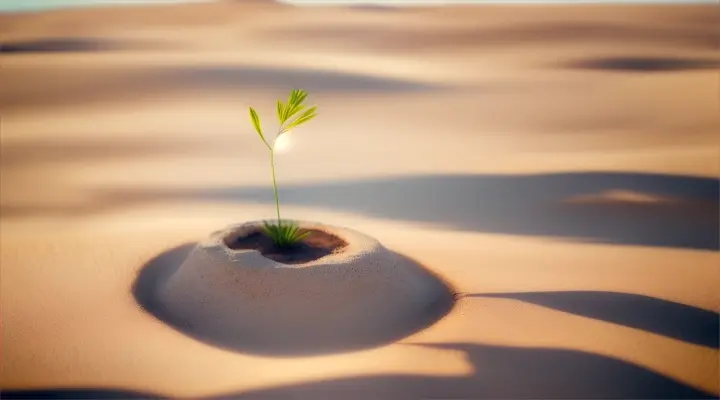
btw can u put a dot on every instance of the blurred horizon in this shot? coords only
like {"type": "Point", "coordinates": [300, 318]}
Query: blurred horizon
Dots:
{"type": "Point", "coordinates": [47, 5]}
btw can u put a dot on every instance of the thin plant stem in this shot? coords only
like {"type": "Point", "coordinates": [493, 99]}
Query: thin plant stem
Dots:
{"type": "Point", "coordinates": [272, 167]}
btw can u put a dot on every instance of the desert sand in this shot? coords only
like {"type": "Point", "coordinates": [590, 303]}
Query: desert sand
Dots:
{"type": "Point", "coordinates": [360, 296]}
{"type": "Point", "coordinates": [557, 165]}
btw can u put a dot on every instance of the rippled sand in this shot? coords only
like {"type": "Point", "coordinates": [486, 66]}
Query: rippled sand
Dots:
{"type": "Point", "coordinates": [558, 165]}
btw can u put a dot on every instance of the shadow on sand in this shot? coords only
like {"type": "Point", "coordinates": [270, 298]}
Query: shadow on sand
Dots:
{"type": "Point", "coordinates": [315, 332]}
{"type": "Point", "coordinates": [67, 86]}
{"type": "Point", "coordinates": [662, 317]}
{"type": "Point", "coordinates": [78, 394]}
{"type": "Point", "coordinates": [499, 373]}
{"type": "Point", "coordinates": [71, 45]}
{"type": "Point", "coordinates": [667, 210]}
{"type": "Point", "coordinates": [645, 64]}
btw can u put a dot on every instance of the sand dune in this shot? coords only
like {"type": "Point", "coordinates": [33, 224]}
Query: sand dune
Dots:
{"type": "Point", "coordinates": [558, 165]}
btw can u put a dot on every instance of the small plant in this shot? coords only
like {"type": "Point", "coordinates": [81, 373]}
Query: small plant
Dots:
{"type": "Point", "coordinates": [283, 235]}
{"type": "Point", "coordinates": [288, 233]}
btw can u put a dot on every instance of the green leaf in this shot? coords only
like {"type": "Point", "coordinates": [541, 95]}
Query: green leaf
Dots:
{"type": "Point", "coordinates": [296, 109]}
{"type": "Point", "coordinates": [300, 97]}
{"type": "Point", "coordinates": [291, 231]}
{"type": "Point", "coordinates": [297, 96]}
{"type": "Point", "coordinates": [282, 233]}
{"type": "Point", "coordinates": [305, 117]}
{"type": "Point", "coordinates": [290, 105]}
{"type": "Point", "coordinates": [280, 111]}
{"type": "Point", "coordinates": [302, 236]}
{"type": "Point", "coordinates": [293, 94]}
{"type": "Point", "coordinates": [256, 123]}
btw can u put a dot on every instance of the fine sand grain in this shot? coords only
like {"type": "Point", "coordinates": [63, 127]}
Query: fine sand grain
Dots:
{"type": "Point", "coordinates": [557, 165]}
{"type": "Point", "coordinates": [365, 296]}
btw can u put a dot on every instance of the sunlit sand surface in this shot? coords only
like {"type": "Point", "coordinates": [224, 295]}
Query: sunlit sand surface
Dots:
{"type": "Point", "coordinates": [557, 165]}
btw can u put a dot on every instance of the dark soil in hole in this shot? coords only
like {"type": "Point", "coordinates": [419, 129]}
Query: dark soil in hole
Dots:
{"type": "Point", "coordinates": [315, 245]}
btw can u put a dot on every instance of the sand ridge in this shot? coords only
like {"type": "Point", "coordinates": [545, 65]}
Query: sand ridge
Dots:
{"type": "Point", "coordinates": [459, 137]}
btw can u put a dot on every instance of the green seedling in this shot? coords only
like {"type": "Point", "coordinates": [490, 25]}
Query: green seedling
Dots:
{"type": "Point", "coordinates": [290, 115]}
{"type": "Point", "coordinates": [282, 234]}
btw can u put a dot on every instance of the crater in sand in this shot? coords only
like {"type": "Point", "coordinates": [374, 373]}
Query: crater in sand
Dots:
{"type": "Point", "coordinates": [338, 290]}
{"type": "Point", "coordinates": [314, 245]}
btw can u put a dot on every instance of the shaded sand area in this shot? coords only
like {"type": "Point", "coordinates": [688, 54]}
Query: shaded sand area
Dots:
{"type": "Point", "coordinates": [558, 166]}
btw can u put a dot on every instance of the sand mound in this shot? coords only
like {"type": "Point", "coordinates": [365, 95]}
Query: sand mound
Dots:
{"type": "Point", "coordinates": [361, 297]}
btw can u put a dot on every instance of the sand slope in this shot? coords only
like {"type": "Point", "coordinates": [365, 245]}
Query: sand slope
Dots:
{"type": "Point", "coordinates": [558, 165]}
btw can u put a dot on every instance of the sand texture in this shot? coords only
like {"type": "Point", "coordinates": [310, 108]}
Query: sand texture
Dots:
{"type": "Point", "coordinates": [557, 166]}
{"type": "Point", "coordinates": [364, 296]}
